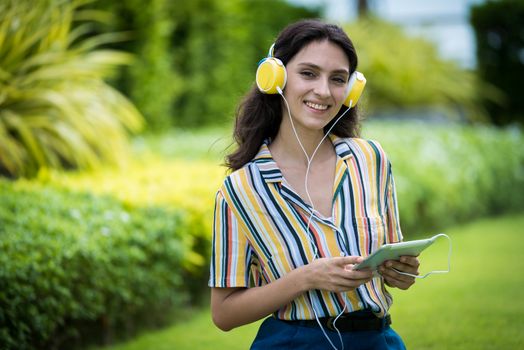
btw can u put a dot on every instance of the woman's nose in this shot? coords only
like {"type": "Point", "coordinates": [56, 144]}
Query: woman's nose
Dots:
{"type": "Point", "coordinates": [322, 88]}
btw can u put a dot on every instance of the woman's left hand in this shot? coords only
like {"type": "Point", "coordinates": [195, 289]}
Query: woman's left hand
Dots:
{"type": "Point", "coordinates": [389, 270]}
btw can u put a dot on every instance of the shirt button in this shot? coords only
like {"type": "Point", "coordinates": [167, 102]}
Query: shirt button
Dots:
{"type": "Point", "coordinates": [342, 254]}
{"type": "Point", "coordinates": [360, 304]}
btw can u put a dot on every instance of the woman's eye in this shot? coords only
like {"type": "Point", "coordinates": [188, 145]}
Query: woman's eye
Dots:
{"type": "Point", "coordinates": [307, 74]}
{"type": "Point", "coordinates": [339, 80]}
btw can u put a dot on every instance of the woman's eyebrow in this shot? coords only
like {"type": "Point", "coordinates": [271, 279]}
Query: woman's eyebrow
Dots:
{"type": "Point", "coordinates": [317, 67]}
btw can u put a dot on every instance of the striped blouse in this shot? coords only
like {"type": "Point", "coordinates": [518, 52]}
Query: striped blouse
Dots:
{"type": "Point", "coordinates": [260, 227]}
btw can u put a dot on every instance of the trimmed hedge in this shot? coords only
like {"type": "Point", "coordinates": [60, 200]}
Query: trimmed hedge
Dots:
{"type": "Point", "coordinates": [448, 173]}
{"type": "Point", "coordinates": [77, 266]}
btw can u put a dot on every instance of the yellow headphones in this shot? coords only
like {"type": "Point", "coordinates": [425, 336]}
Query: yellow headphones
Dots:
{"type": "Point", "coordinates": [271, 74]}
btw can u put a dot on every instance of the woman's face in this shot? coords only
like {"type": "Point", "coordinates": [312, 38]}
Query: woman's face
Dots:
{"type": "Point", "coordinates": [316, 87]}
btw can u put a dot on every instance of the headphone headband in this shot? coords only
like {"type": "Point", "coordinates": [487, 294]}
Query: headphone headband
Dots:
{"type": "Point", "coordinates": [271, 52]}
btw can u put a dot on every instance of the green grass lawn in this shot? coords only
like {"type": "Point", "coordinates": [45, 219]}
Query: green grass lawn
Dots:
{"type": "Point", "coordinates": [479, 305]}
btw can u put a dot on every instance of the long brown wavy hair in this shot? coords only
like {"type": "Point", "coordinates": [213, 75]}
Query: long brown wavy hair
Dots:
{"type": "Point", "coordinates": [259, 115]}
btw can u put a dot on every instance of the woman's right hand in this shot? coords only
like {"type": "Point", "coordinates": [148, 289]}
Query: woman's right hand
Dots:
{"type": "Point", "coordinates": [233, 307]}
{"type": "Point", "coordinates": [335, 274]}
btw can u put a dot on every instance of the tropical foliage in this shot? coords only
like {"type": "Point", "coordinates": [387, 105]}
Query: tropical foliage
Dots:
{"type": "Point", "coordinates": [56, 110]}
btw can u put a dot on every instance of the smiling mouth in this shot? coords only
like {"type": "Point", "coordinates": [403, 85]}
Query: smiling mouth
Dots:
{"type": "Point", "coordinates": [319, 107]}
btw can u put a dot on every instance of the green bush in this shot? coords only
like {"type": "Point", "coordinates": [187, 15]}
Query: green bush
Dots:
{"type": "Point", "coordinates": [151, 82]}
{"type": "Point", "coordinates": [74, 265]}
{"type": "Point", "coordinates": [195, 59]}
{"type": "Point", "coordinates": [56, 111]}
{"type": "Point", "coordinates": [77, 267]}
{"type": "Point", "coordinates": [217, 52]}
{"type": "Point", "coordinates": [447, 174]}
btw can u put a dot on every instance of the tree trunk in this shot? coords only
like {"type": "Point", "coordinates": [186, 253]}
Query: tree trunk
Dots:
{"type": "Point", "coordinates": [362, 8]}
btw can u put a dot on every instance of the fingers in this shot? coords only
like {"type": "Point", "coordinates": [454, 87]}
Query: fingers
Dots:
{"type": "Point", "coordinates": [394, 279]}
{"type": "Point", "coordinates": [411, 261]}
{"type": "Point", "coordinates": [392, 272]}
{"type": "Point", "coordinates": [348, 260]}
{"type": "Point", "coordinates": [353, 278]}
{"type": "Point", "coordinates": [337, 274]}
{"type": "Point", "coordinates": [357, 274]}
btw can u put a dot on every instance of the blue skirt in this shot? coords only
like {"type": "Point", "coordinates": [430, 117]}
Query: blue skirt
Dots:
{"type": "Point", "coordinates": [276, 334]}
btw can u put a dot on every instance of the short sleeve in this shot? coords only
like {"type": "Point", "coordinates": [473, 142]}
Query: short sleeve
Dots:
{"type": "Point", "coordinates": [231, 253]}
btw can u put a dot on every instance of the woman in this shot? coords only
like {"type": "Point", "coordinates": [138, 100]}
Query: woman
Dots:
{"type": "Point", "coordinates": [306, 200]}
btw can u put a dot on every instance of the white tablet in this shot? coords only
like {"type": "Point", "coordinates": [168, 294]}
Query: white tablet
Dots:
{"type": "Point", "coordinates": [394, 251]}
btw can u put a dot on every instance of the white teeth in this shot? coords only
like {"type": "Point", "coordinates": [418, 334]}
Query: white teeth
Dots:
{"type": "Point", "coordinates": [316, 106]}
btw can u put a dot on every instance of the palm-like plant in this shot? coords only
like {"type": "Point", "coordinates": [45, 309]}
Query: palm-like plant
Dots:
{"type": "Point", "coordinates": [56, 110]}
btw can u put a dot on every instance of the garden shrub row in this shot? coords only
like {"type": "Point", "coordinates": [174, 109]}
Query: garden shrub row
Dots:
{"type": "Point", "coordinates": [98, 253]}
{"type": "Point", "coordinates": [447, 173]}
{"type": "Point", "coordinates": [75, 266]}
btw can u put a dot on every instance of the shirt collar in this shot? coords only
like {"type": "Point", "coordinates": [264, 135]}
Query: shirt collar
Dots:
{"type": "Point", "coordinates": [271, 172]}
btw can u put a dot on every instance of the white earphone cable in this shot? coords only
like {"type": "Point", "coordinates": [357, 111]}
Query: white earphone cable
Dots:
{"type": "Point", "coordinates": [310, 234]}
{"type": "Point", "coordinates": [313, 210]}
{"type": "Point", "coordinates": [436, 271]}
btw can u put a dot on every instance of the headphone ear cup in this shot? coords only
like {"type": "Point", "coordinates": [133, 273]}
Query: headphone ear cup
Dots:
{"type": "Point", "coordinates": [271, 74]}
{"type": "Point", "coordinates": [356, 85]}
